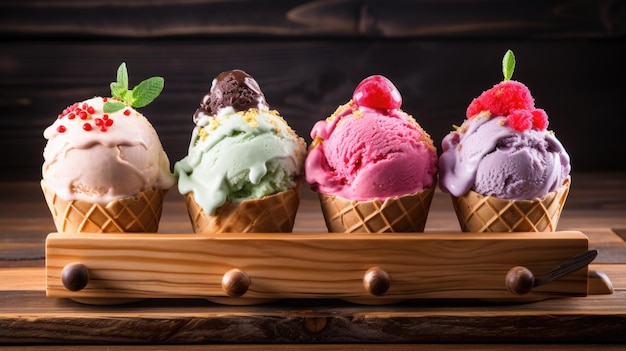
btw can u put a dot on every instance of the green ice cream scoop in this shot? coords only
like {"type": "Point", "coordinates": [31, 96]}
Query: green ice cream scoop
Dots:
{"type": "Point", "coordinates": [239, 155]}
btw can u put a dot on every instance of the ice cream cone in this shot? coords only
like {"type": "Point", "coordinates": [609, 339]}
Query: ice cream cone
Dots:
{"type": "Point", "coordinates": [478, 213]}
{"type": "Point", "coordinates": [270, 214]}
{"type": "Point", "coordinates": [399, 214]}
{"type": "Point", "coordinates": [139, 213]}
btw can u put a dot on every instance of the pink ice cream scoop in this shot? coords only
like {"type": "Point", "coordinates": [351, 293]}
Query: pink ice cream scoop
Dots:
{"type": "Point", "coordinates": [370, 149]}
{"type": "Point", "coordinates": [503, 148]}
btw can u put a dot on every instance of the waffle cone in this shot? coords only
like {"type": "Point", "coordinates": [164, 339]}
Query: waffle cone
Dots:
{"type": "Point", "coordinates": [399, 214]}
{"type": "Point", "coordinates": [139, 213]}
{"type": "Point", "coordinates": [270, 214]}
{"type": "Point", "coordinates": [478, 213]}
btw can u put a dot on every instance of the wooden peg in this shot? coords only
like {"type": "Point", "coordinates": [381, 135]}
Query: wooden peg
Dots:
{"type": "Point", "coordinates": [519, 280]}
{"type": "Point", "coordinates": [75, 276]}
{"type": "Point", "coordinates": [376, 281]}
{"type": "Point", "coordinates": [235, 283]}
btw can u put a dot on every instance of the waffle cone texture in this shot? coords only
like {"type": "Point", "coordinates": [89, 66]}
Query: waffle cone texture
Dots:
{"type": "Point", "coordinates": [270, 214]}
{"type": "Point", "coordinates": [399, 214]}
{"type": "Point", "coordinates": [139, 213]}
{"type": "Point", "coordinates": [478, 213]}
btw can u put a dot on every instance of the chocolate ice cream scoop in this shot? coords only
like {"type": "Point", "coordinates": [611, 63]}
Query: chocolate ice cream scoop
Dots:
{"type": "Point", "coordinates": [231, 88]}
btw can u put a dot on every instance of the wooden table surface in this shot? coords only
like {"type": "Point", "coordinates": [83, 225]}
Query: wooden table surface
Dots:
{"type": "Point", "coordinates": [596, 206]}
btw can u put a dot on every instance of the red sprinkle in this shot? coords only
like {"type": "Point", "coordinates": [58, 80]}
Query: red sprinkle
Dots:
{"type": "Point", "coordinates": [104, 123]}
{"type": "Point", "coordinates": [127, 112]}
{"type": "Point", "coordinates": [84, 111]}
{"type": "Point", "coordinates": [105, 99]}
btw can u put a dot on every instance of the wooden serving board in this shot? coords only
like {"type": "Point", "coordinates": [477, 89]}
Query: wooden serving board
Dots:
{"type": "Point", "coordinates": [363, 268]}
{"type": "Point", "coordinates": [252, 268]}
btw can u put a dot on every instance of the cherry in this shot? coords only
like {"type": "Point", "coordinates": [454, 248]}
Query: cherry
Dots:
{"type": "Point", "coordinates": [377, 92]}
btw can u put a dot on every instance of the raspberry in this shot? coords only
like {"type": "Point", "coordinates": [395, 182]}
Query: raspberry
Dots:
{"type": "Point", "coordinates": [503, 98]}
{"type": "Point", "coordinates": [377, 92]}
{"type": "Point", "coordinates": [520, 120]}
{"type": "Point", "coordinates": [540, 119]}
{"type": "Point", "coordinates": [523, 120]}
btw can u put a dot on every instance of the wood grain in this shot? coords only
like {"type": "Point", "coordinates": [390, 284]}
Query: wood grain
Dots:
{"type": "Point", "coordinates": [437, 80]}
{"type": "Point", "coordinates": [28, 316]}
{"type": "Point", "coordinates": [308, 56]}
{"type": "Point", "coordinates": [334, 347]}
{"type": "Point", "coordinates": [34, 278]}
{"type": "Point", "coordinates": [390, 19]}
{"type": "Point", "coordinates": [444, 265]}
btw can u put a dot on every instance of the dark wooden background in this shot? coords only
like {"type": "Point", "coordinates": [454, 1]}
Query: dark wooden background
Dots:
{"type": "Point", "coordinates": [309, 55]}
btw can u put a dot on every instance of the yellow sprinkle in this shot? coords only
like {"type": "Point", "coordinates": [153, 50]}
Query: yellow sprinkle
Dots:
{"type": "Point", "coordinates": [279, 117]}
{"type": "Point", "coordinates": [250, 117]}
{"type": "Point", "coordinates": [412, 120]}
{"type": "Point", "coordinates": [483, 114]}
{"type": "Point", "coordinates": [203, 134]}
{"type": "Point", "coordinates": [213, 124]}
{"type": "Point", "coordinates": [339, 110]}
{"type": "Point", "coordinates": [460, 130]}
{"type": "Point", "coordinates": [291, 132]}
{"type": "Point", "coordinates": [285, 124]}
{"type": "Point", "coordinates": [277, 128]}
{"type": "Point", "coordinates": [318, 140]}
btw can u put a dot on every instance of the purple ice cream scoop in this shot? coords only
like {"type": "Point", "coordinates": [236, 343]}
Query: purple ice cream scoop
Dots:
{"type": "Point", "coordinates": [492, 158]}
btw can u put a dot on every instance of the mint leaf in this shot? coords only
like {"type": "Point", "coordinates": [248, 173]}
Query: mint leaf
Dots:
{"type": "Point", "coordinates": [146, 91]}
{"type": "Point", "coordinates": [110, 107]}
{"type": "Point", "coordinates": [117, 90]}
{"type": "Point", "coordinates": [122, 75]}
{"type": "Point", "coordinates": [508, 65]}
{"type": "Point", "coordinates": [128, 97]}
{"type": "Point", "coordinates": [141, 95]}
